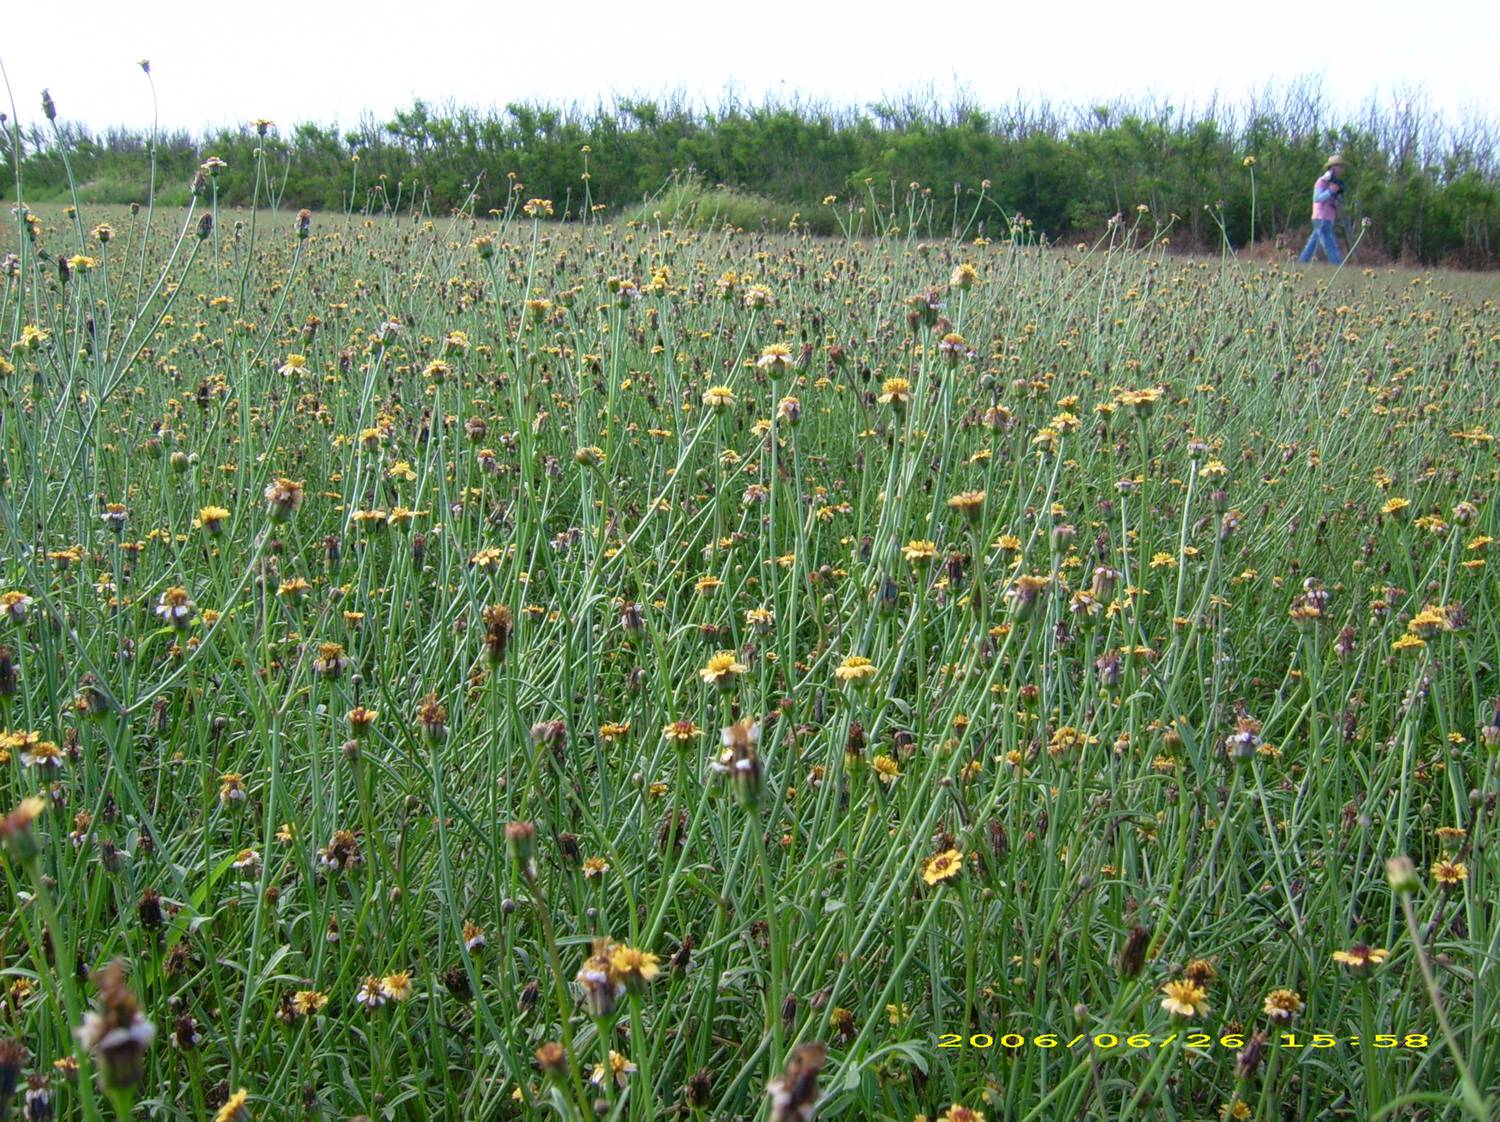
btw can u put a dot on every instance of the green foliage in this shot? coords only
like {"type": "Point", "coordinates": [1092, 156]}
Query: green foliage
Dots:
{"type": "Point", "coordinates": [1432, 194]}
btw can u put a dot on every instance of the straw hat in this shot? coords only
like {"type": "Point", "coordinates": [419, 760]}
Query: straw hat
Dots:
{"type": "Point", "coordinates": [1334, 160]}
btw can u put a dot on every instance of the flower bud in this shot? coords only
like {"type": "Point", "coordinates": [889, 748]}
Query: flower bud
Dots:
{"type": "Point", "coordinates": [1247, 1061]}
{"type": "Point", "coordinates": [520, 840]}
{"type": "Point", "coordinates": [1133, 954]}
{"type": "Point", "coordinates": [1401, 874]}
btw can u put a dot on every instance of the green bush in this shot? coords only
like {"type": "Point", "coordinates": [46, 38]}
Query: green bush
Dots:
{"type": "Point", "coordinates": [1431, 195]}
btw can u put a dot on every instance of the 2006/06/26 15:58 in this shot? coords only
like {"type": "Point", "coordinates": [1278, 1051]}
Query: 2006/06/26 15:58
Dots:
{"type": "Point", "coordinates": [1142, 1040]}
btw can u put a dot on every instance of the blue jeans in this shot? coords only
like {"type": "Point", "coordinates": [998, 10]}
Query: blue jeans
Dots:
{"type": "Point", "coordinates": [1322, 235]}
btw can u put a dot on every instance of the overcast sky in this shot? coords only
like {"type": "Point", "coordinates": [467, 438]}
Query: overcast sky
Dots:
{"type": "Point", "coordinates": [223, 64]}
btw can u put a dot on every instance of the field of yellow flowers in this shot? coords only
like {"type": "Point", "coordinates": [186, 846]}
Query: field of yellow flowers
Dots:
{"type": "Point", "coordinates": [478, 667]}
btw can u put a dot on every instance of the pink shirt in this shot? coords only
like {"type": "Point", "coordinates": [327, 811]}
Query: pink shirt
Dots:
{"type": "Point", "coordinates": [1325, 201]}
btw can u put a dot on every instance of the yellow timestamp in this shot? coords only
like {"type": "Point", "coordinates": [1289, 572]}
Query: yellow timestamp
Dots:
{"type": "Point", "coordinates": [1140, 1041]}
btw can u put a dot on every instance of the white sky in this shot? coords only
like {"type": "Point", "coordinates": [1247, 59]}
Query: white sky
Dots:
{"type": "Point", "coordinates": [222, 64]}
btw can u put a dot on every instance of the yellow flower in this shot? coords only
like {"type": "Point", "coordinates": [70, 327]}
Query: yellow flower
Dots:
{"type": "Point", "coordinates": [308, 1002]}
{"type": "Point", "coordinates": [957, 1113]}
{"type": "Point", "coordinates": [722, 669]}
{"type": "Point", "coordinates": [211, 519]}
{"type": "Point", "coordinates": [1449, 873]}
{"type": "Point", "coordinates": [775, 359]}
{"type": "Point", "coordinates": [32, 337]}
{"type": "Point", "coordinates": [488, 558]}
{"type": "Point", "coordinates": [1428, 622]}
{"type": "Point", "coordinates": [680, 732]}
{"type": "Point", "coordinates": [372, 519]}
{"type": "Point", "coordinates": [1142, 401]}
{"type": "Point", "coordinates": [919, 552]}
{"type": "Point", "coordinates": [397, 986]}
{"type": "Point", "coordinates": [235, 1108]}
{"type": "Point", "coordinates": [943, 867]}
{"type": "Point", "coordinates": [1282, 1005]}
{"type": "Point", "coordinates": [633, 966]}
{"type": "Point", "coordinates": [1184, 998]}
{"type": "Point", "coordinates": [855, 670]}
{"type": "Point", "coordinates": [895, 391]}
{"type": "Point", "coordinates": [1360, 957]}
{"type": "Point", "coordinates": [718, 397]}
{"type": "Point", "coordinates": [967, 503]}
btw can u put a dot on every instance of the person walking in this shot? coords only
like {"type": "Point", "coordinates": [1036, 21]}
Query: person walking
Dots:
{"type": "Point", "coordinates": [1328, 196]}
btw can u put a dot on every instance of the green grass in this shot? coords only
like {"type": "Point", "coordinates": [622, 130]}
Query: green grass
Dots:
{"type": "Point", "coordinates": [528, 541]}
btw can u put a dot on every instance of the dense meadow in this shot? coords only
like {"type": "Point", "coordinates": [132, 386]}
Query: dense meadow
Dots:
{"type": "Point", "coordinates": [483, 667]}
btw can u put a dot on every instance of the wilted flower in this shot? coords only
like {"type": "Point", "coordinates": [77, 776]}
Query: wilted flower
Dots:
{"type": "Point", "coordinates": [601, 984]}
{"type": "Point", "coordinates": [620, 1070]}
{"type": "Point", "coordinates": [176, 608]}
{"type": "Point", "coordinates": [283, 498]}
{"type": "Point", "coordinates": [16, 834]}
{"type": "Point", "coordinates": [775, 360]}
{"type": "Point", "coordinates": [14, 606]}
{"type": "Point", "coordinates": [118, 1034]}
{"type": "Point", "coordinates": [739, 760]}
{"type": "Point", "coordinates": [794, 1093]}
